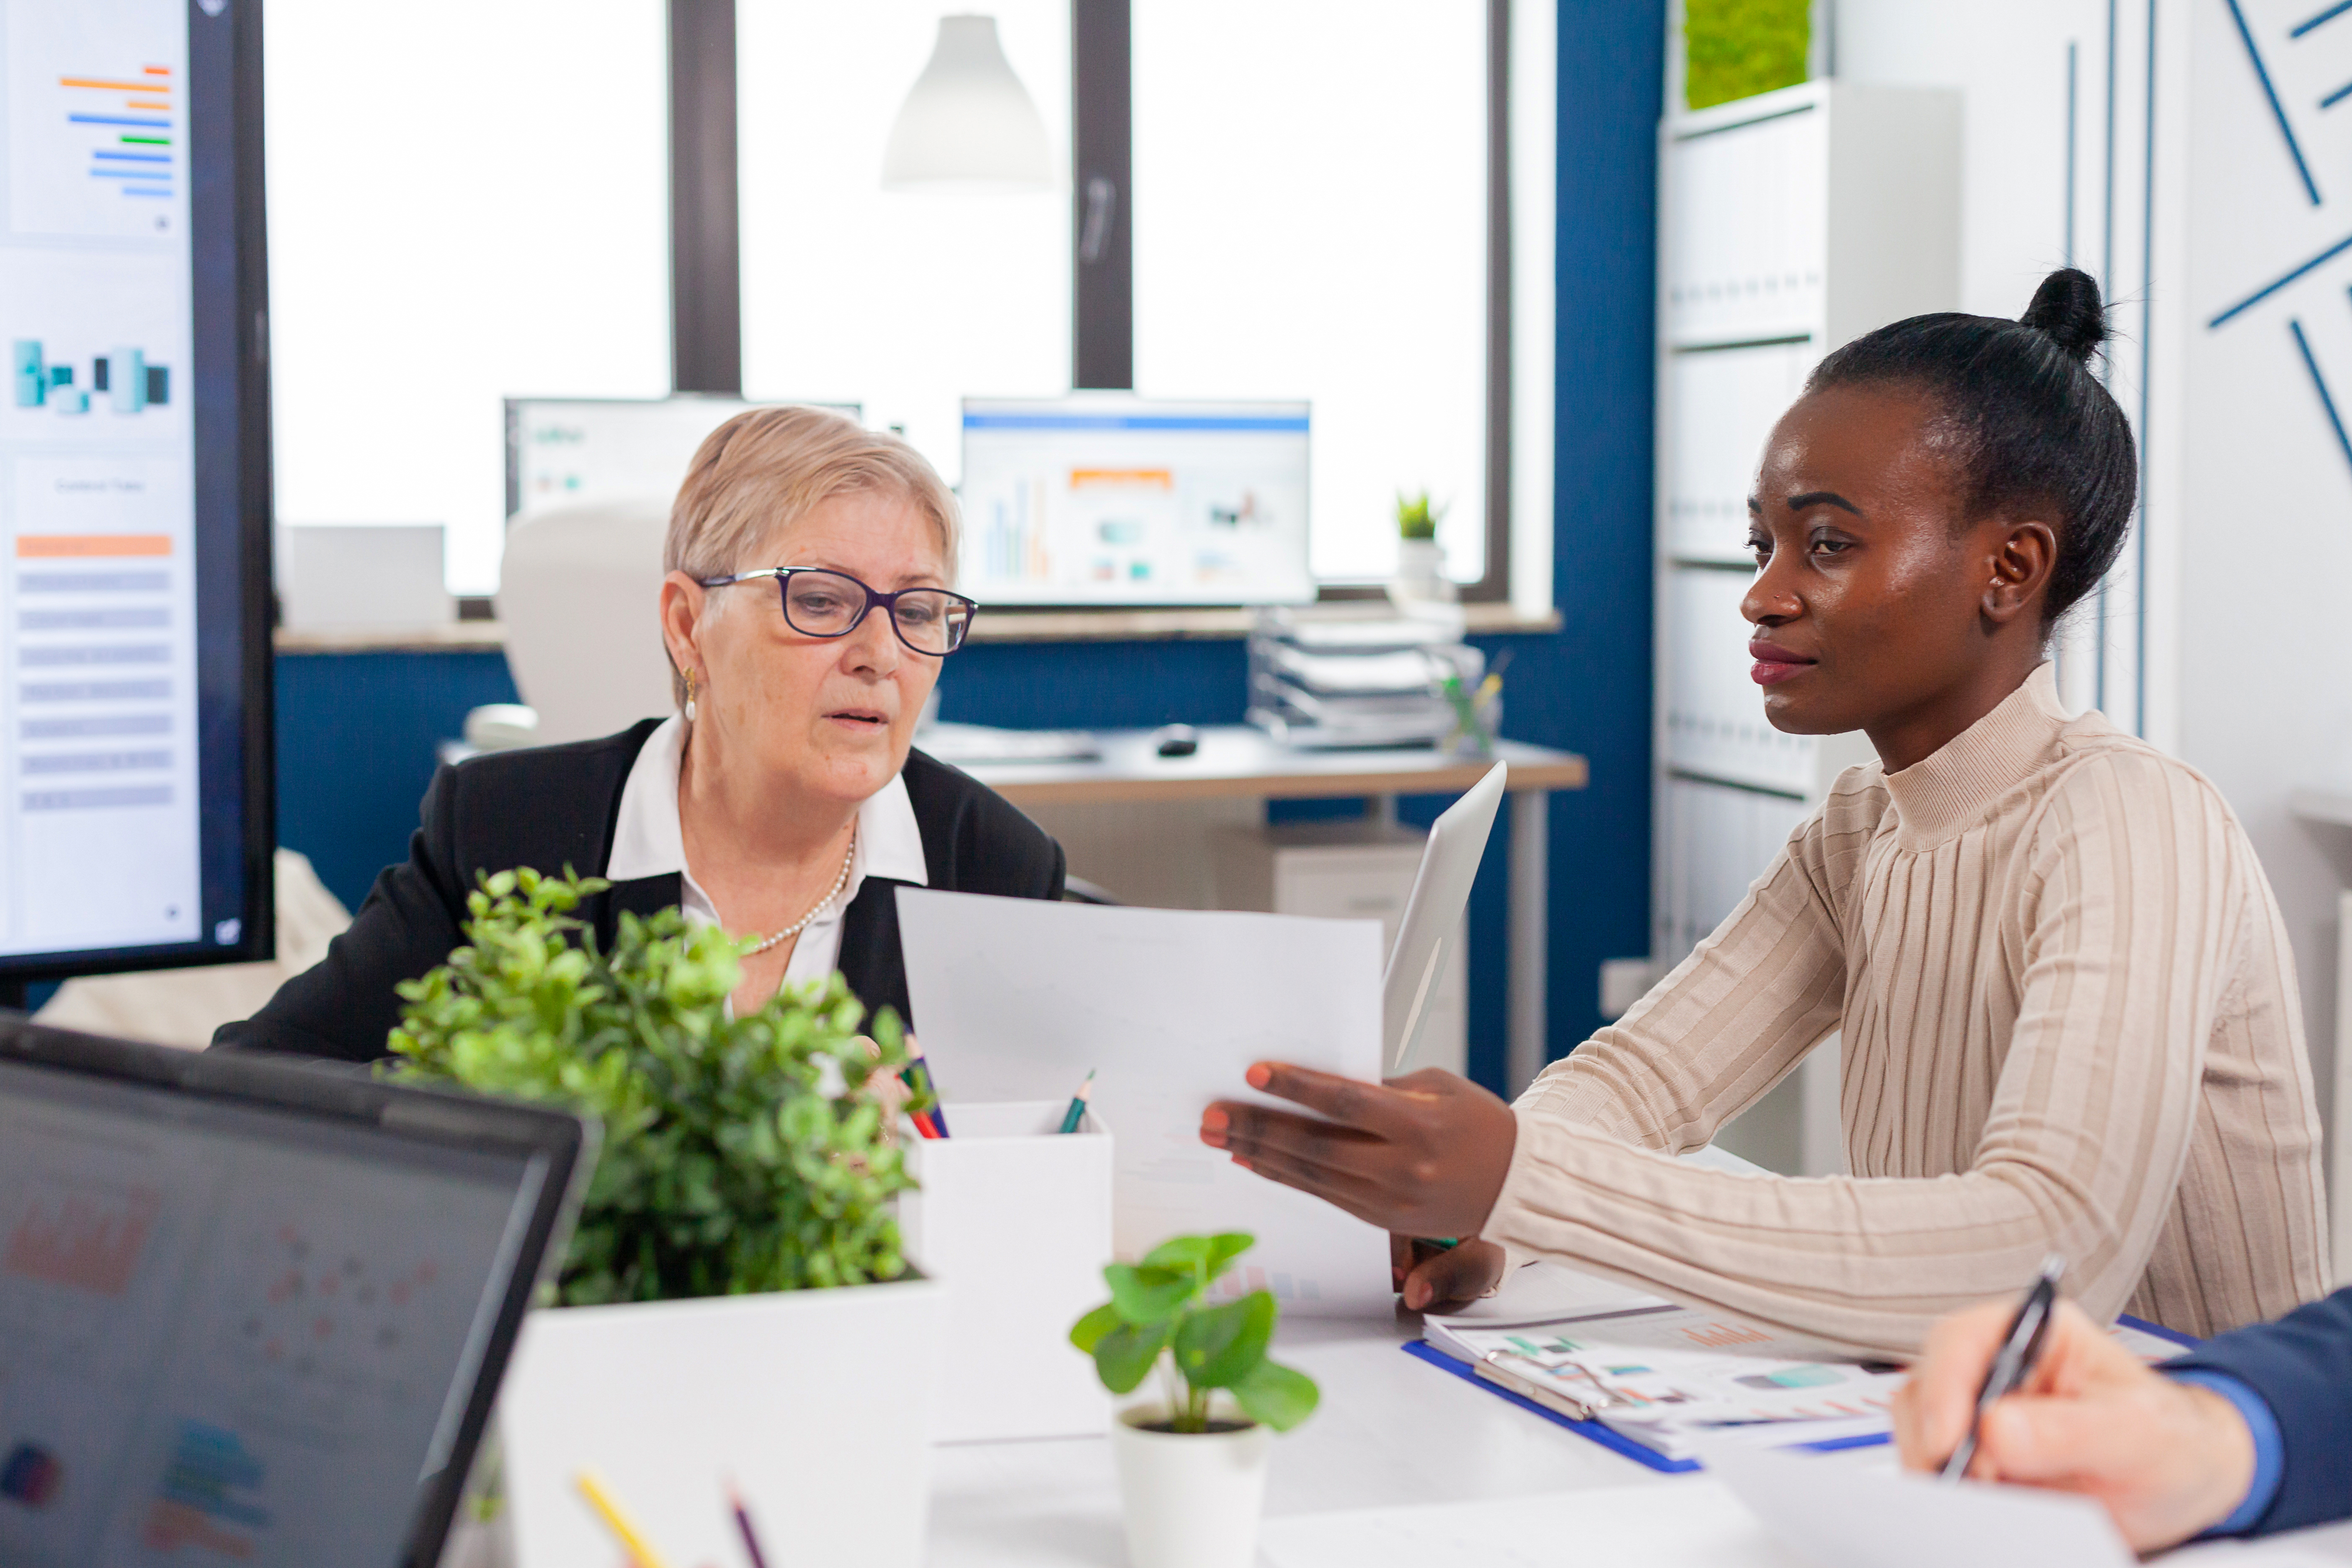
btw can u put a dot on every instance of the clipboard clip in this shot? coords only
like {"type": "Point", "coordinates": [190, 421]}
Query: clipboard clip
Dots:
{"type": "Point", "coordinates": [1545, 1391]}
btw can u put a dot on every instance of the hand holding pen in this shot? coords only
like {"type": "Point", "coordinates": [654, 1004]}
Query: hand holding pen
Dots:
{"type": "Point", "coordinates": [2165, 1456]}
{"type": "Point", "coordinates": [2020, 1349]}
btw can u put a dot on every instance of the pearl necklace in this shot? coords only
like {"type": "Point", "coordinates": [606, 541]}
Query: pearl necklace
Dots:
{"type": "Point", "coordinates": [832, 893]}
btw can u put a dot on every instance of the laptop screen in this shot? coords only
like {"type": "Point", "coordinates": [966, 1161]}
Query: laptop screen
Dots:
{"type": "Point", "coordinates": [231, 1332]}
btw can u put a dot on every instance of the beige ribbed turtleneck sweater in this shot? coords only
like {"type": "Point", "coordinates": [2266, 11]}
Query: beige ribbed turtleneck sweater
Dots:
{"type": "Point", "coordinates": [2069, 1023]}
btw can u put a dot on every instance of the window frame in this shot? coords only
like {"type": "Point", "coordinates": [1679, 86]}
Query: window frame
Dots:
{"type": "Point", "coordinates": [706, 289]}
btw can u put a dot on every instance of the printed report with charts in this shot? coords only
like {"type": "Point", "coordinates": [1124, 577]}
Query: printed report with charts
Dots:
{"type": "Point", "coordinates": [1675, 1379]}
{"type": "Point", "coordinates": [1672, 1378]}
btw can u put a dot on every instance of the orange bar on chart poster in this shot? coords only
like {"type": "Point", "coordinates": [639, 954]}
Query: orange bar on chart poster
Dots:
{"type": "Point", "coordinates": [55, 546]}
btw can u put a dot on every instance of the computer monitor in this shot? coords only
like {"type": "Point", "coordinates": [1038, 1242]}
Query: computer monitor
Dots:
{"type": "Point", "coordinates": [1121, 500]}
{"type": "Point", "coordinates": [136, 822]}
{"type": "Point", "coordinates": [570, 451]}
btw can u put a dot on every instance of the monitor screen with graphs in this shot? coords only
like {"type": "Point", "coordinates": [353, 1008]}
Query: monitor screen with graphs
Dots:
{"type": "Point", "coordinates": [1122, 500]}
{"type": "Point", "coordinates": [135, 819]}
{"type": "Point", "coordinates": [581, 451]}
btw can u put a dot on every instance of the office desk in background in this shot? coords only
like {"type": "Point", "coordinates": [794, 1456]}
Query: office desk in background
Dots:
{"type": "Point", "coordinates": [1237, 763]}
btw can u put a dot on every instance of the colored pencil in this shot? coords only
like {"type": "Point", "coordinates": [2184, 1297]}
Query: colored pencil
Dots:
{"type": "Point", "coordinates": [743, 1523]}
{"type": "Point", "coordinates": [632, 1540]}
{"type": "Point", "coordinates": [917, 1075]}
{"type": "Point", "coordinates": [1078, 1112]}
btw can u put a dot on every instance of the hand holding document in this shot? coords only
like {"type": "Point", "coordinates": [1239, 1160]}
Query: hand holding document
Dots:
{"type": "Point", "coordinates": [1019, 999]}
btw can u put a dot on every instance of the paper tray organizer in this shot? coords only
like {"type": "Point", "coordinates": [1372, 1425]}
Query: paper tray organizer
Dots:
{"type": "Point", "coordinates": [1015, 1218]}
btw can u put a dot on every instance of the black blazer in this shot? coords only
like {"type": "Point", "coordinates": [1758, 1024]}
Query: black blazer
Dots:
{"type": "Point", "coordinates": [552, 806]}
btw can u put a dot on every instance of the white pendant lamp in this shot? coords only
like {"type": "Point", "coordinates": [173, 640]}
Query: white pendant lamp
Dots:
{"type": "Point", "coordinates": [968, 123]}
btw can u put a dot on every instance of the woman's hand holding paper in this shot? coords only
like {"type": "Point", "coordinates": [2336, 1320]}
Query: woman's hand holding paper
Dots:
{"type": "Point", "coordinates": [1425, 1155]}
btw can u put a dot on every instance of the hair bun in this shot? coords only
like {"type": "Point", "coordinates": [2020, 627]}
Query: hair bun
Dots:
{"type": "Point", "coordinates": [2067, 308]}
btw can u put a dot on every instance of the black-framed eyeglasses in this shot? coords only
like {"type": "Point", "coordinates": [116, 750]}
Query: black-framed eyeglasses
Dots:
{"type": "Point", "coordinates": [822, 603]}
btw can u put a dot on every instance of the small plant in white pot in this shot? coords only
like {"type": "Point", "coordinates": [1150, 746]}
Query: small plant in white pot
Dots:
{"type": "Point", "coordinates": [1420, 559]}
{"type": "Point", "coordinates": [1192, 1472]}
{"type": "Point", "coordinates": [735, 1302]}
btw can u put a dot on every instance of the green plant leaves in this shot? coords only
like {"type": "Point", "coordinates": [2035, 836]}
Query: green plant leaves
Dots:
{"type": "Point", "coordinates": [1216, 1347]}
{"type": "Point", "coordinates": [1206, 1256]}
{"type": "Point", "coordinates": [1276, 1397]}
{"type": "Point", "coordinates": [1154, 1310]}
{"type": "Point", "coordinates": [1123, 1357]}
{"type": "Point", "coordinates": [1150, 1293]}
{"type": "Point", "coordinates": [1088, 1330]}
{"type": "Point", "coordinates": [740, 1153]}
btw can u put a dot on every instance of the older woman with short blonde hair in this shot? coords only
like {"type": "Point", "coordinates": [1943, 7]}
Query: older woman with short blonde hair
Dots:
{"type": "Point", "coordinates": [808, 603]}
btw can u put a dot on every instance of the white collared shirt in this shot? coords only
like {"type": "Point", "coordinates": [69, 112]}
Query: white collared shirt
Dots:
{"type": "Point", "coordinates": [648, 841]}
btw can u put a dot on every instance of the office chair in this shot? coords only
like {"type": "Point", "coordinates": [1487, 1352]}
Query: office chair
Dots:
{"type": "Point", "coordinates": [579, 596]}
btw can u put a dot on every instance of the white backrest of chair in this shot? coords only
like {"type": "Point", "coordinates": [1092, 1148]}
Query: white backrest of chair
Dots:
{"type": "Point", "coordinates": [580, 598]}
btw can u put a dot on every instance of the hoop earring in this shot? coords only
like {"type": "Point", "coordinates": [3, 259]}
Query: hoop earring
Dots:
{"type": "Point", "coordinates": [690, 697]}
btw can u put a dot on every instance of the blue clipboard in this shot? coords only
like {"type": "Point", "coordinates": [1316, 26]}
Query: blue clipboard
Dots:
{"type": "Point", "coordinates": [1595, 1432]}
{"type": "Point", "coordinates": [2186, 1342]}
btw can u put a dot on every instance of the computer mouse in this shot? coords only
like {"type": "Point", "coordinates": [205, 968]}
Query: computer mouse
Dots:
{"type": "Point", "coordinates": [1177, 740]}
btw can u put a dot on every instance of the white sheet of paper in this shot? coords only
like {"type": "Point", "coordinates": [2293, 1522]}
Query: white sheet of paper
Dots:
{"type": "Point", "coordinates": [1019, 999]}
{"type": "Point", "coordinates": [1873, 1516]}
{"type": "Point", "coordinates": [1681, 1523]}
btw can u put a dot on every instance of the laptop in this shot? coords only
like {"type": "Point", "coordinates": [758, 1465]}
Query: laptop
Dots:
{"type": "Point", "coordinates": [253, 1311]}
{"type": "Point", "coordinates": [1433, 915]}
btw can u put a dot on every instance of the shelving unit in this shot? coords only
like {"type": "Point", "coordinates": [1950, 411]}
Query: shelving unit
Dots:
{"type": "Point", "coordinates": [1790, 222]}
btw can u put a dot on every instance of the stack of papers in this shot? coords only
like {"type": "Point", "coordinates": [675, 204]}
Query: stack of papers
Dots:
{"type": "Point", "coordinates": [1678, 1379]}
{"type": "Point", "coordinates": [959, 744]}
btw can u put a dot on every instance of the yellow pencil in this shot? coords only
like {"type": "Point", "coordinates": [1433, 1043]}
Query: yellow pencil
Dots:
{"type": "Point", "coordinates": [640, 1549]}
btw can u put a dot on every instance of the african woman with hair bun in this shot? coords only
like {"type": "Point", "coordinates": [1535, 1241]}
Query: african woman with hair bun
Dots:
{"type": "Point", "coordinates": [2063, 991]}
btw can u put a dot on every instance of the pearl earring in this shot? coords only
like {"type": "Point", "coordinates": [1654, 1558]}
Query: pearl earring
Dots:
{"type": "Point", "coordinates": [690, 697]}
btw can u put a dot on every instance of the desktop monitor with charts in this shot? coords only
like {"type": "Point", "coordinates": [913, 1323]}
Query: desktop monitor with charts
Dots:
{"type": "Point", "coordinates": [576, 451]}
{"type": "Point", "coordinates": [1096, 500]}
{"type": "Point", "coordinates": [254, 1312]}
{"type": "Point", "coordinates": [134, 488]}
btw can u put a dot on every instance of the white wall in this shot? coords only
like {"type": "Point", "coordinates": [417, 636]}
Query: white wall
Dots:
{"type": "Point", "coordinates": [2247, 521]}
{"type": "Point", "coordinates": [2253, 664]}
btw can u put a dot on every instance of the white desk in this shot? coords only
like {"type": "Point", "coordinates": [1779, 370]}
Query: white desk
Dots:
{"type": "Point", "coordinates": [1237, 762]}
{"type": "Point", "coordinates": [1394, 1432]}
{"type": "Point", "coordinates": [1391, 1430]}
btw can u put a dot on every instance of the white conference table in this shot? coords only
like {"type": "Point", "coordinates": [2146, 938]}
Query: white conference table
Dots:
{"type": "Point", "coordinates": [1391, 1430]}
{"type": "Point", "coordinates": [1394, 1432]}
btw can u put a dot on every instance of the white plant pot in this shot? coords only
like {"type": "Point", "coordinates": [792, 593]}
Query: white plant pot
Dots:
{"type": "Point", "coordinates": [814, 1404]}
{"type": "Point", "coordinates": [1421, 574]}
{"type": "Point", "coordinates": [1191, 1500]}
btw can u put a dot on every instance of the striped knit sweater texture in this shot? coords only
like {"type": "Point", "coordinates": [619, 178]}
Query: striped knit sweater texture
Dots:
{"type": "Point", "coordinates": [2069, 1023]}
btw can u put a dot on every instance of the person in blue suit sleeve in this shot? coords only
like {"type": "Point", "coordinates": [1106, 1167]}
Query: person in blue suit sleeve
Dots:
{"type": "Point", "coordinates": [2248, 1433]}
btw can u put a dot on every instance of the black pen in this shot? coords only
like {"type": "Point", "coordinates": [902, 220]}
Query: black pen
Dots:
{"type": "Point", "coordinates": [2019, 1349]}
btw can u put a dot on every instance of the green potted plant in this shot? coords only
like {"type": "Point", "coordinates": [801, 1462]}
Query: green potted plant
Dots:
{"type": "Point", "coordinates": [1420, 559]}
{"type": "Point", "coordinates": [1191, 1471]}
{"type": "Point", "coordinates": [734, 1303]}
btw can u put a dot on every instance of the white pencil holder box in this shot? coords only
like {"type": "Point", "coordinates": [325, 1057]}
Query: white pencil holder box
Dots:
{"type": "Point", "coordinates": [1014, 1217]}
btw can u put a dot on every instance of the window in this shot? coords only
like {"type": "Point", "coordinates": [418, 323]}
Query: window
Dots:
{"type": "Point", "coordinates": [901, 301]}
{"type": "Point", "coordinates": [1310, 221]}
{"type": "Point", "coordinates": [467, 203]}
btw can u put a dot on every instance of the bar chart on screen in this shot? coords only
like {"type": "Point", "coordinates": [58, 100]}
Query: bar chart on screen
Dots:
{"type": "Point", "coordinates": [88, 1237]}
{"type": "Point", "coordinates": [100, 706]}
{"type": "Point", "coordinates": [95, 131]}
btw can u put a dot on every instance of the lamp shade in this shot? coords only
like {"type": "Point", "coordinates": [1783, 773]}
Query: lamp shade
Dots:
{"type": "Point", "coordinates": [968, 122]}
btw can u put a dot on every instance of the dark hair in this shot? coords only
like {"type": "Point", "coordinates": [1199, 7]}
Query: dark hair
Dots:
{"type": "Point", "coordinates": [2031, 427]}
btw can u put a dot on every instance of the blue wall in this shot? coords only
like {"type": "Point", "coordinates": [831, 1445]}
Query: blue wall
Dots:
{"type": "Point", "coordinates": [357, 732]}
